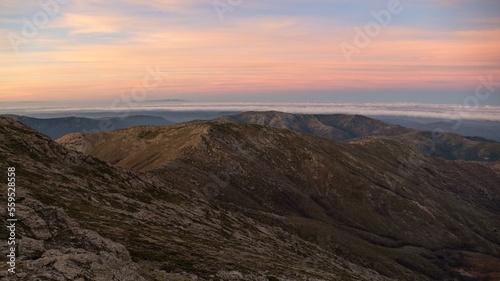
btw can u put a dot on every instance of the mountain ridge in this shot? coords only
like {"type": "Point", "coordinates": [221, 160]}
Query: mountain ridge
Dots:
{"type": "Point", "coordinates": [58, 127]}
{"type": "Point", "coordinates": [312, 181]}
{"type": "Point", "coordinates": [248, 202]}
{"type": "Point", "coordinates": [166, 234]}
{"type": "Point", "coordinates": [340, 127]}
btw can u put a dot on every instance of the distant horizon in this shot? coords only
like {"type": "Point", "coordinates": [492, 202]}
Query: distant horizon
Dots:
{"type": "Point", "coordinates": [417, 110]}
{"type": "Point", "coordinates": [173, 100]}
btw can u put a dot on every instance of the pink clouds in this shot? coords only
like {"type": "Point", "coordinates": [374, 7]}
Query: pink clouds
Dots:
{"type": "Point", "coordinates": [257, 54]}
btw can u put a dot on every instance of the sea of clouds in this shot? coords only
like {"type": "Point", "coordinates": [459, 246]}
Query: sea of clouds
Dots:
{"type": "Point", "coordinates": [438, 111]}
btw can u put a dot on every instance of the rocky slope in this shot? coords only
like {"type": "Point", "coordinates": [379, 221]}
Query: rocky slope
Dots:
{"type": "Point", "coordinates": [82, 219]}
{"type": "Point", "coordinates": [342, 127]}
{"type": "Point", "coordinates": [382, 209]}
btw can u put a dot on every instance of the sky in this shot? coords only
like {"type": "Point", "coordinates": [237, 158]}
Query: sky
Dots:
{"type": "Point", "coordinates": [383, 51]}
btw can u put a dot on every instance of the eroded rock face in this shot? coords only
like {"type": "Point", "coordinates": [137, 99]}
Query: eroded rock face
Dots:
{"type": "Point", "coordinates": [55, 247]}
{"type": "Point", "coordinates": [36, 226]}
{"type": "Point", "coordinates": [31, 249]}
{"type": "Point", "coordinates": [79, 264]}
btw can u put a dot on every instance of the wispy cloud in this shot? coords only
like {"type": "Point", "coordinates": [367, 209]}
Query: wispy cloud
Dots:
{"type": "Point", "coordinates": [96, 48]}
{"type": "Point", "coordinates": [79, 23]}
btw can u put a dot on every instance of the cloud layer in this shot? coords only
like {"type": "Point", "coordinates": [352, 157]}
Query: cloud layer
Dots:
{"type": "Point", "coordinates": [438, 111]}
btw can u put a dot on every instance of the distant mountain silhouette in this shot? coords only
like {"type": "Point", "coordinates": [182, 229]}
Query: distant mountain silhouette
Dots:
{"type": "Point", "coordinates": [341, 127]}
{"type": "Point", "coordinates": [489, 130]}
{"type": "Point", "coordinates": [58, 127]}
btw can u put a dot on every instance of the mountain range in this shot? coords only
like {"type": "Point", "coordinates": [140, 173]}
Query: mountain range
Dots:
{"type": "Point", "coordinates": [58, 127]}
{"type": "Point", "coordinates": [218, 200]}
{"type": "Point", "coordinates": [341, 127]}
{"type": "Point", "coordinates": [480, 128]}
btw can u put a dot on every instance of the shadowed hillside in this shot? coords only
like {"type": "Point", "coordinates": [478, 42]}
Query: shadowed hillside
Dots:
{"type": "Point", "coordinates": [339, 127]}
{"type": "Point", "coordinates": [342, 127]}
{"type": "Point", "coordinates": [81, 219]}
{"type": "Point", "coordinates": [58, 127]}
{"type": "Point", "coordinates": [375, 202]}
